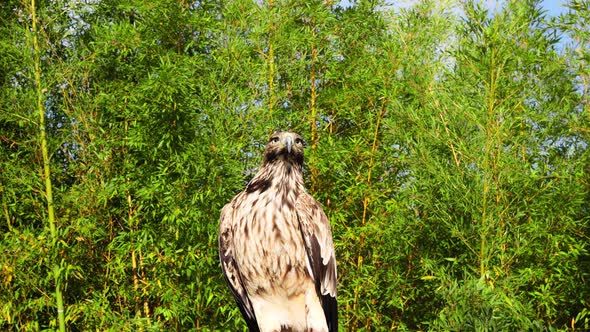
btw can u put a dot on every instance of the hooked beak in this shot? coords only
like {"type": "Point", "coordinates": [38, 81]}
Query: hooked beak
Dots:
{"type": "Point", "coordinates": [289, 143]}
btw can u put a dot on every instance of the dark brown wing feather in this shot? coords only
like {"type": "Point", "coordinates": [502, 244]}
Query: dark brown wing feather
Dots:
{"type": "Point", "coordinates": [315, 228]}
{"type": "Point", "coordinates": [231, 270]}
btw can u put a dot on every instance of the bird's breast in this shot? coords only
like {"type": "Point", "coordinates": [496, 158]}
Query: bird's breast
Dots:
{"type": "Point", "coordinates": [270, 248]}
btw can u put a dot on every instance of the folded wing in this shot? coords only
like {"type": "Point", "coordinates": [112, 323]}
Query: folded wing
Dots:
{"type": "Point", "coordinates": [315, 229]}
{"type": "Point", "coordinates": [231, 269]}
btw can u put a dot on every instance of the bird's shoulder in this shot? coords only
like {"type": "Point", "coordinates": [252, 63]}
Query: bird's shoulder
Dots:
{"type": "Point", "coordinates": [228, 210]}
{"type": "Point", "coordinates": [311, 211]}
{"type": "Point", "coordinates": [305, 200]}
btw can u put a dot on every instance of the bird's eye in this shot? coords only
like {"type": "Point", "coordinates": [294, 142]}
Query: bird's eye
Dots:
{"type": "Point", "coordinates": [274, 139]}
{"type": "Point", "coordinates": [298, 141]}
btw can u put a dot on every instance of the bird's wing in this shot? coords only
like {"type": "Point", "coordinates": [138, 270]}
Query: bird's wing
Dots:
{"type": "Point", "coordinates": [230, 268]}
{"type": "Point", "coordinates": [315, 228]}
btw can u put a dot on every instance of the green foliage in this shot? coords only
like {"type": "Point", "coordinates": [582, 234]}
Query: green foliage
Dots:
{"type": "Point", "coordinates": [447, 142]}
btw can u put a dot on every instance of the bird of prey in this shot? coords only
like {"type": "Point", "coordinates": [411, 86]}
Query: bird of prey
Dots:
{"type": "Point", "coordinates": [275, 247]}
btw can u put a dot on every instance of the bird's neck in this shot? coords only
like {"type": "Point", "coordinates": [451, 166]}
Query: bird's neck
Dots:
{"type": "Point", "coordinates": [281, 176]}
{"type": "Point", "coordinates": [287, 176]}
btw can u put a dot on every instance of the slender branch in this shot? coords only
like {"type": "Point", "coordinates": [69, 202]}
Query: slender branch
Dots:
{"type": "Point", "coordinates": [449, 139]}
{"type": "Point", "coordinates": [46, 168]}
{"type": "Point", "coordinates": [271, 62]}
{"type": "Point", "coordinates": [366, 201]}
{"type": "Point", "coordinates": [313, 114]}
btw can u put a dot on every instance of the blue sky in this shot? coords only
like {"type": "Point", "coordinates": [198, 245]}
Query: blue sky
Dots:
{"type": "Point", "coordinates": [553, 7]}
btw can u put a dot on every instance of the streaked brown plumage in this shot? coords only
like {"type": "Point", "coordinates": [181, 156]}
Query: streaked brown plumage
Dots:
{"type": "Point", "coordinates": [275, 247]}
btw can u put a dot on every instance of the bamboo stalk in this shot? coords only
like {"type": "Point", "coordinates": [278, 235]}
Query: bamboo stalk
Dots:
{"type": "Point", "coordinates": [47, 170]}
{"type": "Point", "coordinates": [449, 139]}
{"type": "Point", "coordinates": [271, 62]}
{"type": "Point", "coordinates": [490, 165]}
{"type": "Point", "coordinates": [312, 101]}
{"type": "Point", "coordinates": [131, 222]}
{"type": "Point", "coordinates": [135, 271]}
{"type": "Point", "coordinates": [366, 201]}
{"type": "Point", "coordinates": [146, 306]}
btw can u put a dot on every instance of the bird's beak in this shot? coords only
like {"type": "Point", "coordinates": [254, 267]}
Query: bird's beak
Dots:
{"type": "Point", "coordinates": [289, 143]}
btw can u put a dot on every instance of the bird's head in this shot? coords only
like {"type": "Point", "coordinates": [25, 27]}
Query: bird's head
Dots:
{"type": "Point", "coordinates": [286, 146]}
